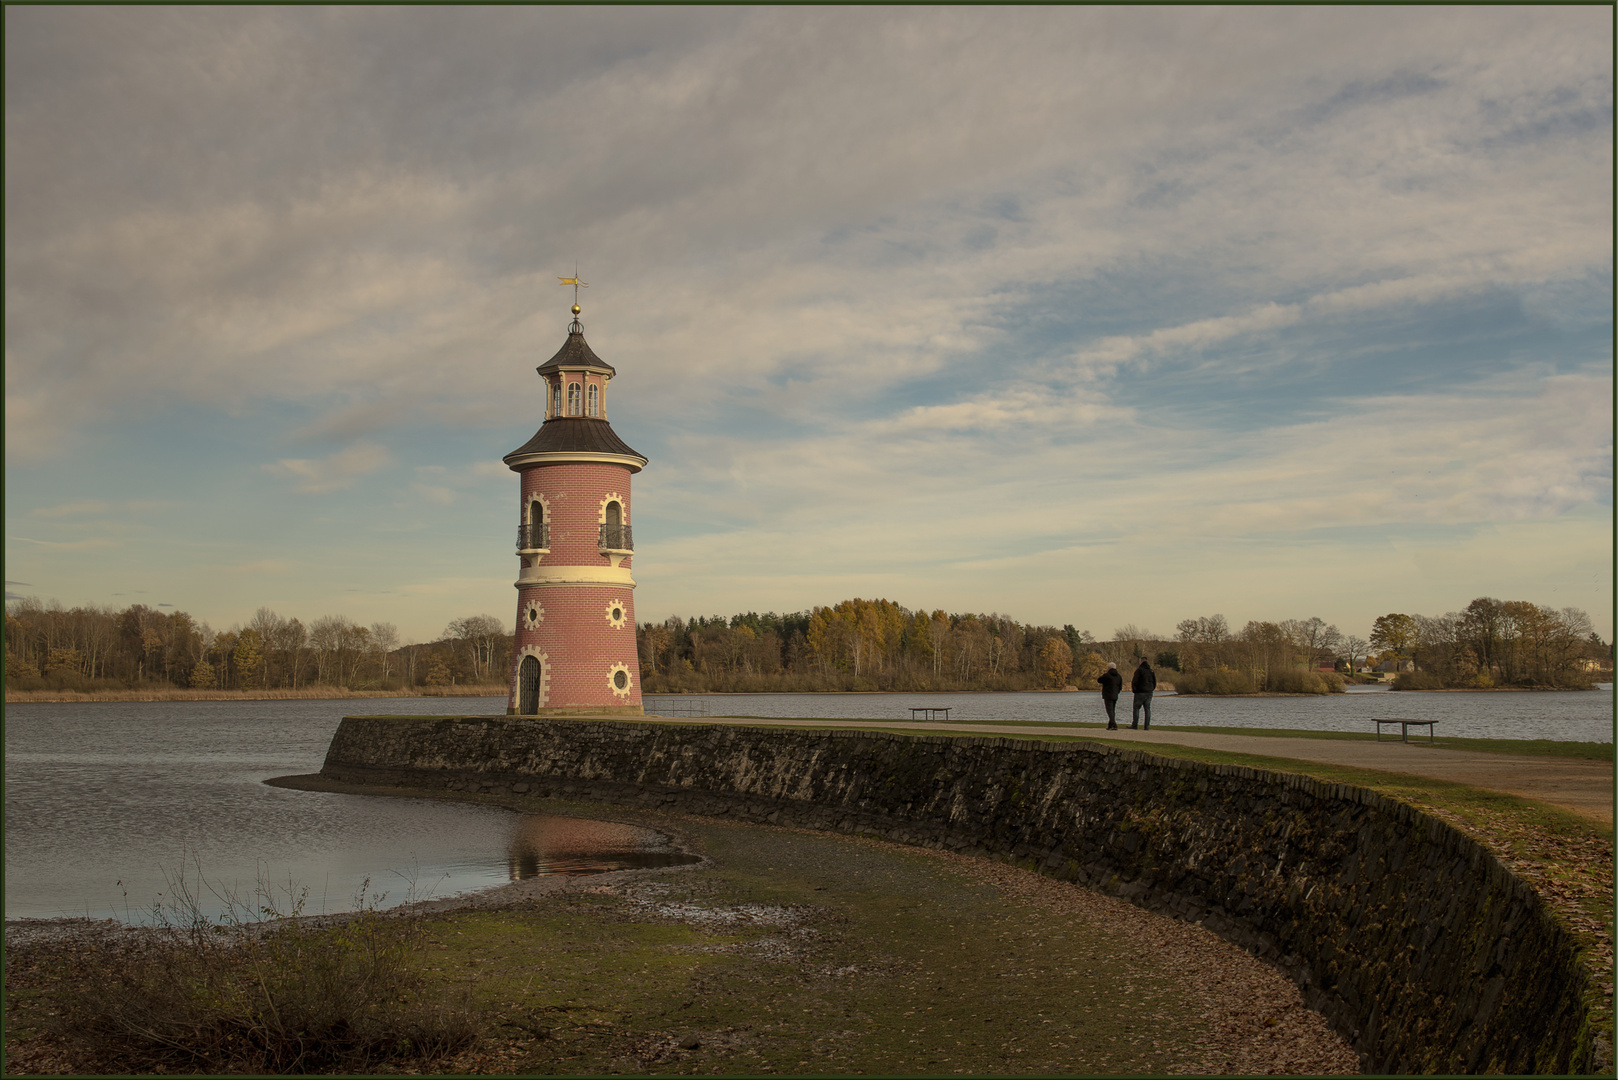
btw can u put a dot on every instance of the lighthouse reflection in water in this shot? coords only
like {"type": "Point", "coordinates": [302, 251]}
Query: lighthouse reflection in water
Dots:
{"type": "Point", "coordinates": [542, 845]}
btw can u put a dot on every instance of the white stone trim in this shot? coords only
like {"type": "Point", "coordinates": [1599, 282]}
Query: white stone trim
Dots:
{"type": "Point", "coordinates": [544, 676]}
{"type": "Point", "coordinates": [620, 607]}
{"type": "Point", "coordinates": [557, 457]}
{"type": "Point", "coordinates": [528, 505]}
{"type": "Point", "coordinates": [612, 681]}
{"type": "Point", "coordinates": [533, 614]}
{"type": "Point", "coordinates": [623, 508]}
{"type": "Point", "coordinates": [539, 577]}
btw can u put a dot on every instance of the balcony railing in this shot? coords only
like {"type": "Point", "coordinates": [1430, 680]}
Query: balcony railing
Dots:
{"type": "Point", "coordinates": [616, 538]}
{"type": "Point", "coordinates": [534, 537]}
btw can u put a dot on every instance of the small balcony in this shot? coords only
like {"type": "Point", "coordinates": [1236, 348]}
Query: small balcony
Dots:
{"type": "Point", "coordinates": [616, 540]}
{"type": "Point", "coordinates": [534, 538]}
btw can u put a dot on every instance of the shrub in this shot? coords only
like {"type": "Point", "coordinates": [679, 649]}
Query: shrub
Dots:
{"type": "Point", "coordinates": [271, 997]}
{"type": "Point", "coordinates": [1295, 681]}
{"type": "Point", "coordinates": [1218, 681]}
{"type": "Point", "coordinates": [1417, 680]}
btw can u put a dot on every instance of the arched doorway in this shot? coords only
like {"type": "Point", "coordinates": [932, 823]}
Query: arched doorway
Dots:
{"type": "Point", "coordinates": [528, 686]}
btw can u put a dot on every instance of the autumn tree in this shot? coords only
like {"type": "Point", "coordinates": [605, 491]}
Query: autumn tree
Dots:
{"type": "Point", "coordinates": [1089, 669]}
{"type": "Point", "coordinates": [1056, 662]}
{"type": "Point", "coordinates": [202, 676]}
{"type": "Point", "coordinates": [247, 659]}
{"type": "Point", "coordinates": [1394, 633]}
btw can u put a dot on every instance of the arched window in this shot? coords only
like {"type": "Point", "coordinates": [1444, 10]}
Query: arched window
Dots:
{"type": "Point", "coordinates": [573, 399]}
{"type": "Point", "coordinates": [595, 397]}
{"type": "Point", "coordinates": [614, 534]}
{"type": "Point", "coordinates": [536, 531]}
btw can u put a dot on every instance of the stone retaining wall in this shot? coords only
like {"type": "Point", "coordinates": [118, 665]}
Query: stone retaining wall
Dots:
{"type": "Point", "coordinates": [1416, 944]}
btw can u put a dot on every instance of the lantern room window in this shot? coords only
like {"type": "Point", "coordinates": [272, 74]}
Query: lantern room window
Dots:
{"type": "Point", "coordinates": [595, 398]}
{"type": "Point", "coordinates": [573, 399]}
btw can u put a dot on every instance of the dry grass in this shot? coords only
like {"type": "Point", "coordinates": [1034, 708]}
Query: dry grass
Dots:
{"type": "Point", "coordinates": [275, 995]}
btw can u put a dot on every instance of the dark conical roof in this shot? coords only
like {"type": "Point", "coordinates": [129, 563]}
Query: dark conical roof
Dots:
{"type": "Point", "coordinates": [575, 353]}
{"type": "Point", "coordinates": [574, 435]}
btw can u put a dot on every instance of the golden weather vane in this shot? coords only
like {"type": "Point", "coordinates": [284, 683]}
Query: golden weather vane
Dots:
{"type": "Point", "coordinates": [577, 285]}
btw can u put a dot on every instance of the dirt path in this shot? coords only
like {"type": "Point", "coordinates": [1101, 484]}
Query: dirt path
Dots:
{"type": "Point", "coordinates": [1582, 786]}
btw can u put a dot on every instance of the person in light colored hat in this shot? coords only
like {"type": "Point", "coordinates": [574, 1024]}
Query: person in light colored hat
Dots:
{"type": "Point", "coordinates": [1112, 684]}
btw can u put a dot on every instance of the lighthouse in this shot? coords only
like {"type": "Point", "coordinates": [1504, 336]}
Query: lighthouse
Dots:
{"type": "Point", "coordinates": [575, 643]}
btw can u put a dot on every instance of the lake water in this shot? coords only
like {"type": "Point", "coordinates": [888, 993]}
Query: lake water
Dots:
{"type": "Point", "coordinates": [107, 801]}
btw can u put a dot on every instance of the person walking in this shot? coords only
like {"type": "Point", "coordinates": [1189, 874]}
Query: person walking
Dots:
{"type": "Point", "coordinates": [1112, 684]}
{"type": "Point", "coordinates": [1144, 682]}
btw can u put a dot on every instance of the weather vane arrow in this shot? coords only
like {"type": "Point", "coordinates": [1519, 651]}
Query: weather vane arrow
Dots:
{"type": "Point", "coordinates": [577, 285]}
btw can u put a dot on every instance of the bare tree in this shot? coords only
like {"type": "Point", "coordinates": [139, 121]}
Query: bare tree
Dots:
{"type": "Point", "coordinates": [325, 641]}
{"type": "Point", "coordinates": [1319, 638]}
{"type": "Point", "coordinates": [384, 639]}
{"type": "Point", "coordinates": [479, 635]}
{"type": "Point", "coordinates": [290, 640]}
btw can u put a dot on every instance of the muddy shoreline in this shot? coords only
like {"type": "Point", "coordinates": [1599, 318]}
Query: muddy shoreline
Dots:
{"type": "Point", "coordinates": [859, 983]}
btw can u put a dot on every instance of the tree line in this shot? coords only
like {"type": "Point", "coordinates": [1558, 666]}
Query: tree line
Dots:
{"type": "Point", "coordinates": [1493, 643]}
{"type": "Point", "coordinates": [854, 645]}
{"type": "Point", "coordinates": [863, 645]}
{"type": "Point", "coordinates": [48, 647]}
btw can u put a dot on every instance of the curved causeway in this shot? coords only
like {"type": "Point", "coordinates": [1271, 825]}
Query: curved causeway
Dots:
{"type": "Point", "coordinates": [1415, 943]}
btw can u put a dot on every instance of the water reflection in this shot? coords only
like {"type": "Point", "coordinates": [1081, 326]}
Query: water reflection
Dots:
{"type": "Point", "coordinates": [558, 845]}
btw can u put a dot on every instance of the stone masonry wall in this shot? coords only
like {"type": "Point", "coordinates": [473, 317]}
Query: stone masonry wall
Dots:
{"type": "Point", "coordinates": [1416, 944]}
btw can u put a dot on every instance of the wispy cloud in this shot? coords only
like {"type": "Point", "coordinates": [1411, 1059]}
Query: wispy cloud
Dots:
{"type": "Point", "coordinates": [86, 544]}
{"type": "Point", "coordinates": [72, 509]}
{"type": "Point", "coordinates": [1083, 282]}
{"type": "Point", "coordinates": [340, 470]}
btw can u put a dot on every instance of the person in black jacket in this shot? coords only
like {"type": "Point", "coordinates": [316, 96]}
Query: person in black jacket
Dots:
{"type": "Point", "coordinates": [1144, 682]}
{"type": "Point", "coordinates": [1112, 684]}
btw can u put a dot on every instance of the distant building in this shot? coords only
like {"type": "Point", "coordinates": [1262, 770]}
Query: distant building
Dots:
{"type": "Point", "coordinates": [575, 645]}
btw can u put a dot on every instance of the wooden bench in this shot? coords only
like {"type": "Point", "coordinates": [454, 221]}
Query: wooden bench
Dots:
{"type": "Point", "coordinates": [928, 713]}
{"type": "Point", "coordinates": [1404, 728]}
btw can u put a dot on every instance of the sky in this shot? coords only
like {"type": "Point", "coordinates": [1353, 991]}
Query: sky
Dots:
{"type": "Point", "coordinates": [1083, 315]}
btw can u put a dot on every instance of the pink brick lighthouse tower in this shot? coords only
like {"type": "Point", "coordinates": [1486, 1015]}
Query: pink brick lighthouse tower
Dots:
{"type": "Point", "coordinates": [575, 648]}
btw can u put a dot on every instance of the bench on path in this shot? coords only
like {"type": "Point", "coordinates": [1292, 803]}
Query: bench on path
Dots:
{"type": "Point", "coordinates": [1404, 728]}
{"type": "Point", "coordinates": [929, 713]}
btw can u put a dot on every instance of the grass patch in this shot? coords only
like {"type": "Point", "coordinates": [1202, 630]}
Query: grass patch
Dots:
{"type": "Point", "coordinates": [791, 953]}
{"type": "Point", "coordinates": [269, 996]}
{"type": "Point", "coordinates": [802, 953]}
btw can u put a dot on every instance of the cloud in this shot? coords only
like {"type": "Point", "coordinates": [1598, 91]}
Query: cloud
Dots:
{"type": "Point", "coordinates": [72, 509]}
{"type": "Point", "coordinates": [749, 213]}
{"type": "Point", "coordinates": [1066, 279]}
{"type": "Point", "coordinates": [434, 493]}
{"type": "Point", "coordinates": [261, 566]}
{"type": "Point", "coordinates": [340, 470]}
{"type": "Point", "coordinates": [88, 544]}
